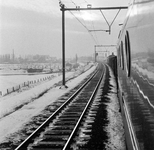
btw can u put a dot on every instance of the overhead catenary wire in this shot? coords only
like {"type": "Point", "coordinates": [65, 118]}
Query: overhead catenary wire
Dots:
{"type": "Point", "coordinates": [86, 1]}
{"type": "Point", "coordinates": [94, 29]}
{"type": "Point", "coordinates": [110, 24]}
{"type": "Point", "coordinates": [79, 12]}
{"type": "Point", "coordinates": [84, 27]}
{"type": "Point", "coordinates": [104, 17]}
{"type": "Point", "coordinates": [80, 21]}
{"type": "Point", "coordinates": [73, 3]}
{"type": "Point", "coordinates": [84, 24]}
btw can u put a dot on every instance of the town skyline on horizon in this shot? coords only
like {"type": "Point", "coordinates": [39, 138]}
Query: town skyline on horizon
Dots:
{"type": "Point", "coordinates": [34, 27]}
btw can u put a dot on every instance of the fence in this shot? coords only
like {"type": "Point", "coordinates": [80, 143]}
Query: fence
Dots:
{"type": "Point", "coordinates": [25, 84]}
{"type": "Point", "coordinates": [28, 83]}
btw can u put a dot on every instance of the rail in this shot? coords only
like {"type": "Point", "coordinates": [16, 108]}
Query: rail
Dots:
{"type": "Point", "coordinates": [26, 142]}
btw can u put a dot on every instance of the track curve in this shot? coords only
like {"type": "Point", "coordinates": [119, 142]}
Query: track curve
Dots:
{"type": "Point", "coordinates": [59, 129]}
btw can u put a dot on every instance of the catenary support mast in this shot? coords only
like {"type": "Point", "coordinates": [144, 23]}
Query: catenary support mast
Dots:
{"type": "Point", "coordinates": [63, 9]}
{"type": "Point", "coordinates": [63, 43]}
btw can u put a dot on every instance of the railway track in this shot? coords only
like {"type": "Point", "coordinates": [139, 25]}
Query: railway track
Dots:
{"type": "Point", "coordinates": [58, 131]}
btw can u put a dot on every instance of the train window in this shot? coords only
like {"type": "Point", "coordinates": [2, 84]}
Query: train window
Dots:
{"type": "Point", "coordinates": [119, 34]}
{"type": "Point", "coordinates": [119, 57]}
{"type": "Point", "coordinates": [122, 56]}
{"type": "Point", "coordinates": [128, 53]}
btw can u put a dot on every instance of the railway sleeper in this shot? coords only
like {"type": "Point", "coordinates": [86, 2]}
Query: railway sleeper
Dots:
{"type": "Point", "coordinates": [68, 118]}
{"type": "Point", "coordinates": [62, 127]}
{"type": "Point", "coordinates": [64, 123]}
{"type": "Point", "coordinates": [70, 115]}
{"type": "Point", "coordinates": [78, 104]}
{"type": "Point", "coordinates": [60, 132]}
{"type": "Point", "coordinates": [48, 137]}
{"type": "Point", "coordinates": [48, 144]}
{"type": "Point", "coordinates": [77, 107]}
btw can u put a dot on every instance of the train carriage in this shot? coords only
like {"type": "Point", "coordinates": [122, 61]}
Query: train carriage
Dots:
{"type": "Point", "coordinates": [135, 64]}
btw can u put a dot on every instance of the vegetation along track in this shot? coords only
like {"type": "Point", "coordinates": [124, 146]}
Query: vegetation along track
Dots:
{"type": "Point", "coordinates": [58, 131]}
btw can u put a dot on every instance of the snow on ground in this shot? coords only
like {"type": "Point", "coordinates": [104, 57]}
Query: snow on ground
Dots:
{"type": "Point", "coordinates": [115, 129]}
{"type": "Point", "coordinates": [22, 98]}
{"type": "Point", "coordinates": [8, 81]}
{"type": "Point", "coordinates": [30, 105]}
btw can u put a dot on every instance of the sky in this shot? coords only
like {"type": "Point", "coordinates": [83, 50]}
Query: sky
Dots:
{"type": "Point", "coordinates": [35, 27]}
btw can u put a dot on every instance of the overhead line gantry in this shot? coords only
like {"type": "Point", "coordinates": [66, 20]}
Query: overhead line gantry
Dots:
{"type": "Point", "coordinates": [92, 8]}
{"type": "Point", "coordinates": [63, 9]}
{"type": "Point", "coordinates": [95, 46]}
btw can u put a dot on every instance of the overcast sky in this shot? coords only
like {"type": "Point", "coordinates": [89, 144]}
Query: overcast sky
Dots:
{"type": "Point", "coordinates": [34, 27]}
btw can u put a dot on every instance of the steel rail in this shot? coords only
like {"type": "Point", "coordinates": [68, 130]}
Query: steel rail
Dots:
{"type": "Point", "coordinates": [26, 141]}
{"type": "Point", "coordinates": [84, 111]}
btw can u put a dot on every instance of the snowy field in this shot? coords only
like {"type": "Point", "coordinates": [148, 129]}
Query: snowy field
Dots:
{"type": "Point", "coordinates": [13, 120]}
{"type": "Point", "coordinates": [11, 77]}
{"type": "Point", "coordinates": [29, 103]}
{"type": "Point", "coordinates": [8, 81]}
